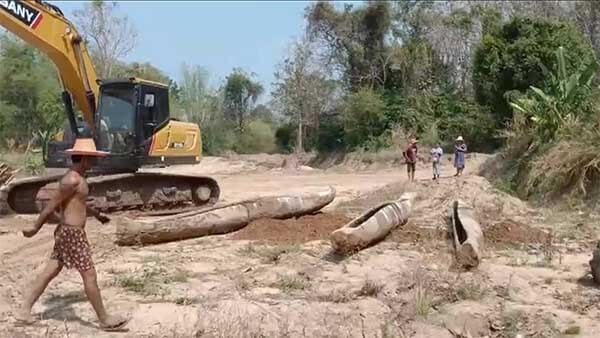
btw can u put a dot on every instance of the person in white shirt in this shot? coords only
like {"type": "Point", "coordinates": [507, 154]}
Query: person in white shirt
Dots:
{"type": "Point", "coordinates": [436, 159]}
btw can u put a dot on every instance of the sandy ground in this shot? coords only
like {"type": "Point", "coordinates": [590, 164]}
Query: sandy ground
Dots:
{"type": "Point", "coordinates": [259, 283]}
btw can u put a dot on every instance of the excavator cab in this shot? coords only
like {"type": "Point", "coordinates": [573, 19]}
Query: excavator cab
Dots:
{"type": "Point", "coordinates": [129, 113]}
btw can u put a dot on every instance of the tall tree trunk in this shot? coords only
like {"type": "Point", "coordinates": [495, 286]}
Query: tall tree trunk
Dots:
{"type": "Point", "coordinates": [299, 145]}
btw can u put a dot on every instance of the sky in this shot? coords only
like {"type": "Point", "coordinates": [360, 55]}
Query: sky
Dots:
{"type": "Point", "coordinates": [217, 35]}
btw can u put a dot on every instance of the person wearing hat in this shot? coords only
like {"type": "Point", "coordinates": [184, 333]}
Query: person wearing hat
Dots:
{"type": "Point", "coordinates": [410, 157]}
{"type": "Point", "coordinates": [460, 148]}
{"type": "Point", "coordinates": [71, 247]}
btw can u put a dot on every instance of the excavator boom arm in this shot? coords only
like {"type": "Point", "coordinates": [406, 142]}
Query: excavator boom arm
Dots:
{"type": "Point", "coordinates": [44, 26]}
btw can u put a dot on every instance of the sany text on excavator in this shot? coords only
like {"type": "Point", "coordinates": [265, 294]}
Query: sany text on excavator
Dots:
{"type": "Point", "coordinates": [127, 117]}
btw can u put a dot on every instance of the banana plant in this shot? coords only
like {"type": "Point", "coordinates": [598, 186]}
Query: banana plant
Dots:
{"type": "Point", "coordinates": [549, 110]}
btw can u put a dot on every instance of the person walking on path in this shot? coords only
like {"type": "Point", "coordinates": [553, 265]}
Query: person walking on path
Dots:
{"type": "Point", "coordinates": [460, 148]}
{"type": "Point", "coordinates": [436, 160]}
{"type": "Point", "coordinates": [71, 247]}
{"type": "Point", "coordinates": [410, 156]}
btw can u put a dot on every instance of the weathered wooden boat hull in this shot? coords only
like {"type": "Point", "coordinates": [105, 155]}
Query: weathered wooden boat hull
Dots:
{"type": "Point", "coordinates": [372, 226]}
{"type": "Point", "coordinates": [219, 220]}
{"type": "Point", "coordinates": [467, 235]}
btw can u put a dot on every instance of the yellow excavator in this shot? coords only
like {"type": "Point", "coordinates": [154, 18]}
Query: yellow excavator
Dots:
{"type": "Point", "coordinates": [127, 117]}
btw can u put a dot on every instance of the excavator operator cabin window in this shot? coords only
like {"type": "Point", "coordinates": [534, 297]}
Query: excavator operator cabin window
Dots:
{"type": "Point", "coordinates": [117, 109]}
{"type": "Point", "coordinates": [156, 108]}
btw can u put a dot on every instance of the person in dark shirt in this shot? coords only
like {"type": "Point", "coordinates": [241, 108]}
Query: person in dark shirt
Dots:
{"type": "Point", "coordinates": [410, 156]}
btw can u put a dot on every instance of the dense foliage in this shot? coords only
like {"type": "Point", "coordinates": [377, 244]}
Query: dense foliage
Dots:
{"type": "Point", "coordinates": [519, 54]}
{"type": "Point", "coordinates": [366, 76]}
{"type": "Point", "coordinates": [29, 95]}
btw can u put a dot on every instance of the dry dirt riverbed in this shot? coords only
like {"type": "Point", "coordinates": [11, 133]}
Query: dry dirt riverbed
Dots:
{"type": "Point", "coordinates": [280, 279]}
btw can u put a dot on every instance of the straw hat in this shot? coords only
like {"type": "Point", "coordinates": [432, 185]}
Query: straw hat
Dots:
{"type": "Point", "coordinates": [85, 147]}
{"type": "Point", "coordinates": [460, 138]}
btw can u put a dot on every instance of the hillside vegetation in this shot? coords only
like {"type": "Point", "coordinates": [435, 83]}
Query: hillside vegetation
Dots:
{"type": "Point", "coordinates": [365, 77]}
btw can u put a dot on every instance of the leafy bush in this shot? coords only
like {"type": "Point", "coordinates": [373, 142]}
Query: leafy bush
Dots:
{"type": "Point", "coordinates": [327, 138]}
{"type": "Point", "coordinates": [363, 117]}
{"type": "Point", "coordinates": [29, 91]}
{"type": "Point", "coordinates": [217, 137]}
{"type": "Point", "coordinates": [554, 135]}
{"type": "Point", "coordinates": [285, 136]}
{"type": "Point", "coordinates": [442, 117]}
{"type": "Point", "coordinates": [517, 56]}
{"type": "Point", "coordinates": [34, 164]}
{"type": "Point", "coordinates": [257, 137]}
{"type": "Point", "coordinates": [566, 98]}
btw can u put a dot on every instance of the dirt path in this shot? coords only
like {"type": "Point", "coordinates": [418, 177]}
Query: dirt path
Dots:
{"type": "Point", "coordinates": [293, 286]}
{"type": "Point", "coordinates": [248, 183]}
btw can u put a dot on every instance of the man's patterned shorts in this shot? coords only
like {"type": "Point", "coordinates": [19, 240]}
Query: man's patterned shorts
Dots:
{"type": "Point", "coordinates": [72, 249]}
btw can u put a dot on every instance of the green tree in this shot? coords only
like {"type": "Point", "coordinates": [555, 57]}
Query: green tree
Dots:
{"type": "Point", "coordinates": [144, 70]}
{"type": "Point", "coordinates": [354, 39]}
{"type": "Point", "coordinates": [264, 113]}
{"type": "Point", "coordinates": [174, 90]}
{"type": "Point", "coordinates": [363, 117]}
{"type": "Point", "coordinates": [240, 95]}
{"type": "Point", "coordinates": [415, 68]}
{"type": "Point", "coordinates": [302, 92]}
{"type": "Point", "coordinates": [511, 59]}
{"type": "Point", "coordinates": [30, 93]}
{"type": "Point", "coordinates": [194, 94]}
{"type": "Point", "coordinates": [562, 101]}
{"type": "Point", "coordinates": [258, 137]}
{"type": "Point", "coordinates": [194, 101]}
{"type": "Point", "coordinates": [441, 117]}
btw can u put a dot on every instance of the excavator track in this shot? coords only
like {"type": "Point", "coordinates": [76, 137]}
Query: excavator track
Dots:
{"type": "Point", "coordinates": [144, 191]}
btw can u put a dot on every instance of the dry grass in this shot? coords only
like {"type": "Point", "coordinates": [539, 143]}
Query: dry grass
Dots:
{"type": "Point", "coordinates": [510, 323]}
{"type": "Point", "coordinates": [370, 289]}
{"type": "Point", "coordinates": [422, 298]}
{"type": "Point", "coordinates": [548, 249]}
{"type": "Point", "coordinates": [234, 324]}
{"type": "Point", "coordinates": [184, 301]}
{"type": "Point", "coordinates": [142, 286]}
{"type": "Point", "coordinates": [179, 276]}
{"type": "Point", "coordinates": [150, 280]}
{"type": "Point", "coordinates": [272, 255]}
{"type": "Point", "coordinates": [514, 323]}
{"type": "Point", "coordinates": [237, 321]}
{"type": "Point", "coordinates": [570, 166]}
{"type": "Point", "coordinates": [242, 284]}
{"type": "Point", "coordinates": [505, 291]}
{"type": "Point", "coordinates": [247, 250]}
{"type": "Point", "coordinates": [292, 283]}
{"type": "Point", "coordinates": [268, 255]}
{"type": "Point", "coordinates": [473, 289]}
{"type": "Point", "coordinates": [336, 296]}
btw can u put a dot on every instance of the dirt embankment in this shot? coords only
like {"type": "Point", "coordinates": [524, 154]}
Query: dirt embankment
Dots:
{"type": "Point", "coordinates": [507, 233]}
{"type": "Point", "coordinates": [292, 231]}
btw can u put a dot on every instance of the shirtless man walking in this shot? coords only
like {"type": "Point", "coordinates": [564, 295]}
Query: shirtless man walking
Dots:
{"type": "Point", "coordinates": [71, 247]}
